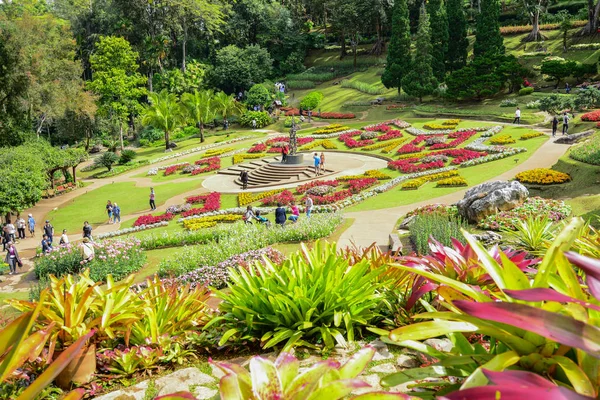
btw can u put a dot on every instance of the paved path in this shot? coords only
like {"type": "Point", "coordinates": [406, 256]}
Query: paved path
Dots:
{"type": "Point", "coordinates": [376, 225]}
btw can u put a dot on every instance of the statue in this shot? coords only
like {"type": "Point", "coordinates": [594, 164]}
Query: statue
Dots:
{"type": "Point", "coordinates": [293, 139]}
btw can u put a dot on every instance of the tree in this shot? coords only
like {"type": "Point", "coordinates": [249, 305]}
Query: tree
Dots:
{"type": "Point", "coordinates": [164, 113]}
{"type": "Point", "coordinates": [22, 179]}
{"type": "Point", "coordinates": [533, 8]}
{"type": "Point", "coordinates": [488, 40]}
{"type": "Point", "coordinates": [258, 95]}
{"type": "Point", "coordinates": [420, 81]}
{"type": "Point", "coordinates": [226, 105]}
{"type": "Point", "coordinates": [588, 98]}
{"type": "Point", "coordinates": [175, 81]}
{"type": "Point", "coordinates": [558, 69]}
{"type": "Point", "coordinates": [311, 101]}
{"type": "Point", "coordinates": [512, 72]}
{"type": "Point", "coordinates": [593, 18]}
{"type": "Point", "coordinates": [398, 58]}
{"type": "Point", "coordinates": [199, 108]}
{"type": "Point", "coordinates": [116, 81]}
{"type": "Point", "coordinates": [477, 80]}
{"type": "Point", "coordinates": [238, 69]}
{"type": "Point", "coordinates": [456, 57]}
{"type": "Point", "coordinates": [439, 37]}
{"type": "Point", "coordinates": [555, 103]}
{"type": "Point", "coordinates": [566, 23]}
{"type": "Point", "coordinates": [108, 159]}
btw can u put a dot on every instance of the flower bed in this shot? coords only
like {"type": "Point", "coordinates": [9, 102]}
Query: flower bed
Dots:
{"type": "Point", "coordinates": [179, 208]}
{"type": "Point", "coordinates": [245, 198]}
{"type": "Point", "coordinates": [542, 176]}
{"type": "Point", "coordinates": [399, 123]}
{"type": "Point", "coordinates": [286, 198]}
{"type": "Point", "coordinates": [209, 221]}
{"type": "Point", "coordinates": [452, 182]}
{"type": "Point", "coordinates": [372, 173]}
{"type": "Point", "coordinates": [419, 132]}
{"type": "Point", "coordinates": [332, 198]}
{"type": "Point", "coordinates": [212, 164]}
{"type": "Point", "coordinates": [217, 152]}
{"type": "Point", "coordinates": [350, 142]}
{"type": "Point", "coordinates": [381, 127]}
{"type": "Point", "coordinates": [197, 149]}
{"type": "Point", "coordinates": [531, 135]}
{"type": "Point", "coordinates": [587, 152]}
{"type": "Point", "coordinates": [174, 168]}
{"type": "Point", "coordinates": [410, 165]}
{"type": "Point", "coordinates": [502, 140]}
{"type": "Point", "coordinates": [258, 148]}
{"type": "Point", "coordinates": [593, 116]}
{"type": "Point", "coordinates": [451, 122]}
{"type": "Point", "coordinates": [417, 183]}
{"type": "Point", "coordinates": [333, 128]}
{"type": "Point", "coordinates": [430, 209]}
{"type": "Point", "coordinates": [240, 158]}
{"type": "Point", "coordinates": [134, 229]}
{"type": "Point", "coordinates": [493, 157]}
{"type": "Point", "coordinates": [303, 188]}
{"type": "Point", "coordinates": [357, 185]}
{"type": "Point", "coordinates": [438, 127]}
{"type": "Point", "coordinates": [150, 219]}
{"type": "Point", "coordinates": [326, 143]}
{"type": "Point", "coordinates": [556, 210]}
{"type": "Point", "coordinates": [391, 134]}
{"type": "Point", "coordinates": [211, 202]}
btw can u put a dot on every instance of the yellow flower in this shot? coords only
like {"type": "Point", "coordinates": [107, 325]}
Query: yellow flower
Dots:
{"type": "Point", "coordinates": [542, 176]}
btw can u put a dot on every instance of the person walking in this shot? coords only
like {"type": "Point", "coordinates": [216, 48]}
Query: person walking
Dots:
{"type": "Point", "coordinates": [109, 211]}
{"type": "Point", "coordinates": [49, 231]}
{"type": "Point", "coordinates": [308, 203]}
{"type": "Point", "coordinates": [46, 244]}
{"type": "Point", "coordinates": [21, 228]}
{"type": "Point", "coordinates": [317, 161]}
{"type": "Point", "coordinates": [517, 116]}
{"type": "Point", "coordinates": [12, 258]}
{"type": "Point", "coordinates": [567, 88]}
{"type": "Point", "coordinates": [31, 223]}
{"type": "Point", "coordinates": [565, 130]}
{"type": "Point", "coordinates": [152, 198]}
{"type": "Point", "coordinates": [284, 153]}
{"type": "Point", "coordinates": [244, 179]}
{"type": "Point", "coordinates": [64, 239]}
{"type": "Point", "coordinates": [295, 212]}
{"type": "Point", "coordinates": [280, 216]}
{"type": "Point", "coordinates": [5, 237]}
{"type": "Point", "coordinates": [554, 126]}
{"type": "Point", "coordinates": [11, 230]}
{"type": "Point", "coordinates": [254, 123]}
{"type": "Point", "coordinates": [87, 230]}
{"type": "Point", "coordinates": [116, 213]}
{"type": "Point", "coordinates": [87, 250]}
{"type": "Point", "coordinates": [322, 163]}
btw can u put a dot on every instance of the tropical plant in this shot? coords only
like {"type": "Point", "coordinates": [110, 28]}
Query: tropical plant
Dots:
{"type": "Point", "coordinates": [226, 105]}
{"type": "Point", "coordinates": [107, 159]}
{"type": "Point", "coordinates": [533, 234]}
{"type": "Point", "coordinates": [164, 113]}
{"type": "Point", "coordinates": [199, 107]}
{"type": "Point", "coordinates": [313, 296]}
{"type": "Point", "coordinates": [440, 228]}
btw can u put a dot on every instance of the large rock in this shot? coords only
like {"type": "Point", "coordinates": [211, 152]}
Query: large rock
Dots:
{"type": "Point", "coordinates": [490, 198]}
{"type": "Point", "coordinates": [574, 138]}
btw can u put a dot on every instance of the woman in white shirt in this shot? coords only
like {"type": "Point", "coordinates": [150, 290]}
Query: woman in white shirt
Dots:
{"type": "Point", "coordinates": [64, 239]}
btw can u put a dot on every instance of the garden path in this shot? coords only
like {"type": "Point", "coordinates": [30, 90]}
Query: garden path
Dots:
{"type": "Point", "coordinates": [374, 226]}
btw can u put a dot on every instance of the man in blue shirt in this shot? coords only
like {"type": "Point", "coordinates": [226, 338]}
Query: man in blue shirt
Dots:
{"type": "Point", "coordinates": [317, 160]}
{"type": "Point", "coordinates": [46, 244]}
{"type": "Point", "coordinates": [31, 223]}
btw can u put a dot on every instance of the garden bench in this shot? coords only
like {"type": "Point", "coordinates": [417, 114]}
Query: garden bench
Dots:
{"type": "Point", "coordinates": [395, 245]}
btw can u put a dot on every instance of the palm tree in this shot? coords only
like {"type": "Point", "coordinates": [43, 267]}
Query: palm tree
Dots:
{"type": "Point", "coordinates": [164, 113]}
{"type": "Point", "coordinates": [226, 105]}
{"type": "Point", "coordinates": [200, 108]}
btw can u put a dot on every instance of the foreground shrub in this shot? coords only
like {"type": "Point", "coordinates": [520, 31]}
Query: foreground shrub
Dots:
{"type": "Point", "coordinates": [525, 91]}
{"type": "Point", "coordinates": [443, 229]}
{"type": "Point", "coordinates": [533, 234]}
{"type": "Point", "coordinates": [262, 118]}
{"type": "Point", "coordinates": [314, 297]}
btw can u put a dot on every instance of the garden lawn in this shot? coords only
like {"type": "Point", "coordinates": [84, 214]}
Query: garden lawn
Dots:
{"type": "Point", "coordinates": [474, 176]}
{"type": "Point", "coordinates": [154, 257]}
{"type": "Point", "coordinates": [91, 206]}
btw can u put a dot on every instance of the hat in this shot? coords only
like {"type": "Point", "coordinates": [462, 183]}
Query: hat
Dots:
{"type": "Point", "coordinates": [47, 220]}
{"type": "Point", "coordinates": [30, 215]}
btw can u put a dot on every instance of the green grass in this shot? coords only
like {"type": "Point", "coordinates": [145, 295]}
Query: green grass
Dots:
{"type": "Point", "coordinates": [154, 257]}
{"type": "Point", "coordinates": [131, 199]}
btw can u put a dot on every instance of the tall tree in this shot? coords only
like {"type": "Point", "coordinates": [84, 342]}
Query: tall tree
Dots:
{"type": "Point", "coordinates": [116, 80]}
{"type": "Point", "coordinates": [164, 112]}
{"type": "Point", "coordinates": [226, 105]}
{"type": "Point", "coordinates": [456, 57]}
{"type": "Point", "coordinates": [593, 18]}
{"type": "Point", "coordinates": [420, 81]}
{"type": "Point", "coordinates": [238, 69]}
{"type": "Point", "coordinates": [488, 40]}
{"type": "Point", "coordinates": [439, 37]}
{"type": "Point", "coordinates": [533, 9]}
{"type": "Point", "coordinates": [199, 108]}
{"type": "Point", "coordinates": [398, 57]}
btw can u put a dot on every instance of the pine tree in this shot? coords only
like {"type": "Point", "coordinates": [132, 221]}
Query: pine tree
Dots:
{"type": "Point", "coordinates": [439, 37]}
{"type": "Point", "coordinates": [420, 81]}
{"type": "Point", "coordinates": [456, 57]}
{"type": "Point", "coordinates": [488, 40]}
{"type": "Point", "coordinates": [398, 58]}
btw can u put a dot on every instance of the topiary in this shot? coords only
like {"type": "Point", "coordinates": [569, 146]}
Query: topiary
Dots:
{"type": "Point", "coordinates": [525, 91]}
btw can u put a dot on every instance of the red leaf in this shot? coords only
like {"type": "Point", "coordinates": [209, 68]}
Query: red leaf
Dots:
{"type": "Point", "coordinates": [544, 294]}
{"type": "Point", "coordinates": [591, 267]}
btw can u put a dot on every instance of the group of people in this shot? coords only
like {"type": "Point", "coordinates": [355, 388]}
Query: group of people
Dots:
{"type": "Point", "coordinates": [319, 163]}
{"type": "Point", "coordinates": [564, 118]}
{"type": "Point", "coordinates": [281, 213]}
{"type": "Point", "coordinates": [114, 212]}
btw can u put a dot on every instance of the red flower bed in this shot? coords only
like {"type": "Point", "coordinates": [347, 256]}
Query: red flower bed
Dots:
{"type": "Point", "coordinates": [172, 169]}
{"type": "Point", "coordinates": [593, 116]}
{"type": "Point", "coordinates": [274, 150]}
{"type": "Point", "coordinates": [331, 198]}
{"type": "Point", "coordinates": [151, 219]}
{"type": "Point", "coordinates": [391, 134]}
{"type": "Point", "coordinates": [258, 148]}
{"type": "Point", "coordinates": [598, 125]}
{"type": "Point", "coordinates": [301, 140]}
{"type": "Point", "coordinates": [378, 128]}
{"type": "Point", "coordinates": [286, 197]}
{"type": "Point", "coordinates": [409, 148]}
{"type": "Point", "coordinates": [460, 138]}
{"type": "Point", "coordinates": [212, 164]}
{"type": "Point", "coordinates": [212, 202]}
{"type": "Point", "coordinates": [357, 185]}
{"type": "Point", "coordinates": [409, 165]}
{"type": "Point", "coordinates": [353, 143]}
{"type": "Point", "coordinates": [303, 188]}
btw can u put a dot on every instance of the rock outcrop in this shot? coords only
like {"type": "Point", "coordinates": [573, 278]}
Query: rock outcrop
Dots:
{"type": "Point", "coordinates": [490, 198]}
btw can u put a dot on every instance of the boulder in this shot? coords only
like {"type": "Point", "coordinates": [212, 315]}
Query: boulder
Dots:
{"type": "Point", "coordinates": [488, 238]}
{"type": "Point", "coordinates": [490, 198]}
{"type": "Point", "coordinates": [570, 139]}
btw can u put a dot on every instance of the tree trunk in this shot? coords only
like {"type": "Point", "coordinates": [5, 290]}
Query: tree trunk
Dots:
{"type": "Point", "coordinates": [75, 174]}
{"type": "Point", "coordinates": [379, 45]}
{"type": "Point", "coordinates": [40, 126]}
{"type": "Point", "coordinates": [184, 46]}
{"type": "Point", "coordinates": [535, 35]}
{"type": "Point", "coordinates": [88, 137]}
{"type": "Point", "coordinates": [201, 127]}
{"type": "Point", "coordinates": [593, 14]}
{"type": "Point", "coordinates": [121, 134]}
{"type": "Point", "coordinates": [343, 46]}
{"type": "Point", "coordinates": [565, 41]}
{"type": "Point", "coordinates": [167, 140]}
{"type": "Point", "coordinates": [354, 46]}
{"type": "Point", "coordinates": [150, 76]}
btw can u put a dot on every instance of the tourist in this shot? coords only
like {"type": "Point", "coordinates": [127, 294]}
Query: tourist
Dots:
{"type": "Point", "coordinates": [295, 212]}
{"type": "Point", "coordinates": [31, 223]}
{"type": "Point", "coordinates": [244, 179]}
{"type": "Point", "coordinates": [309, 205]}
{"type": "Point", "coordinates": [11, 230]}
{"type": "Point", "coordinates": [554, 125]}
{"type": "Point", "coordinates": [87, 230]}
{"type": "Point", "coordinates": [322, 162]}
{"type": "Point", "coordinates": [116, 213]}
{"type": "Point", "coordinates": [21, 228]}
{"type": "Point", "coordinates": [249, 215]}
{"type": "Point", "coordinates": [152, 197]}
{"type": "Point", "coordinates": [280, 216]}
{"type": "Point", "coordinates": [46, 244]}
{"type": "Point", "coordinates": [565, 130]}
{"type": "Point", "coordinates": [49, 231]}
{"type": "Point", "coordinates": [262, 219]}
{"type": "Point", "coordinates": [64, 239]}
{"type": "Point", "coordinates": [567, 88]}
{"type": "Point", "coordinates": [109, 211]}
{"type": "Point", "coordinates": [284, 153]}
{"type": "Point", "coordinates": [5, 237]}
{"type": "Point", "coordinates": [254, 123]}
{"type": "Point", "coordinates": [317, 161]}
{"type": "Point", "coordinates": [87, 250]}
{"type": "Point", "coordinates": [12, 258]}
{"type": "Point", "coordinates": [517, 116]}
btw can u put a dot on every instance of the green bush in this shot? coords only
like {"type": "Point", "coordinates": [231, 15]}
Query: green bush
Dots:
{"type": "Point", "coordinates": [262, 118]}
{"type": "Point", "coordinates": [301, 85]}
{"type": "Point", "coordinates": [525, 91]}
{"type": "Point", "coordinates": [311, 101]}
{"type": "Point", "coordinates": [314, 297]}
{"type": "Point", "coordinates": [151, 134]}
{"type": "Point", "coordinates": [440, 228]}
{"type": "Point", "coordinates": [107, 160]}
{"type": "Point", "coordinates": [126, 156]}
{"type": "Point", "coordinates": [309, 76]}
{"type": "Point", "coordinates": [362, 87]}
{"type": "Point", "coordinates": [144, 142]}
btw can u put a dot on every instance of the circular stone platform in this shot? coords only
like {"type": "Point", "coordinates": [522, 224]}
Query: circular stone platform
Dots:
{"type": "Point", "coordinates": [338, 163]}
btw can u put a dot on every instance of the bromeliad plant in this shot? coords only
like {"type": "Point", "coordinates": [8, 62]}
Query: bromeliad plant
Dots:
{"type": "Point", "coordinates": [313, 297]}
{"type": "Point", "coordinates": [547, 324]}
{"type": "Point", "coordinates": [533, 234]}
